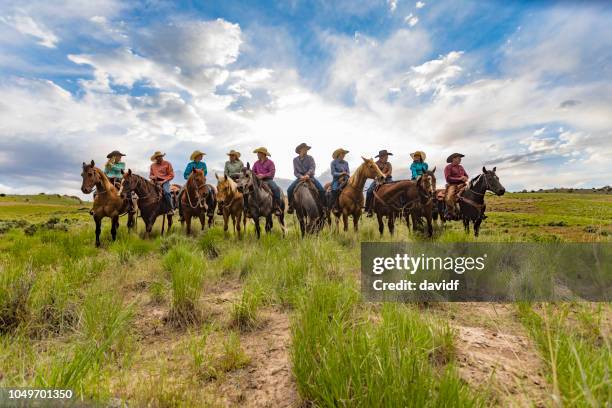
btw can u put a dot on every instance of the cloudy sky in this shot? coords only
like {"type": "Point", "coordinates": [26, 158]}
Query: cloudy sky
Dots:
{"type": "Point", "coordinates": [524, 86]}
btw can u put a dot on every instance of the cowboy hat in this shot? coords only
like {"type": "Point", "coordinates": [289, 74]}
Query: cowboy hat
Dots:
{"type": "Point", "coordinates": [235, 153]}
{"type": "Point", "coordinates": [114, 153]}
{"type": "Point", "coordinates": [195, 154]}
{"type": "Point", "coordinates": [338, 152]}
{"type": "Point", "coordinates": [452, 156]}
{"type": "Point", "coordinates": [156, 155]}
{"type": "Point", "coordinates": [262, 150]}
{"type": "Point", "coordinates": [300, 146]}
{"type": "Point", "coordinates": [384, 152]}
{"type": "Point", "coordinates": [419, 153]}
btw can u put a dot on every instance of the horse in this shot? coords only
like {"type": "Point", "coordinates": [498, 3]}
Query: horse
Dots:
{"type": "Point", "coordinates": [439, 206]}
{"type": "Point", "coordinates": [151, 200]}
{"type": "Point", "coordinates": [308, 207]}
{"type": "Point", "coordinates": [107, 201]}
{"type": "Point", "coordinates": [231, 203]}
{"type": "Point", "coordinates": [192, 199]}
{"type": "Point", "coordinates": [350, 201]}
{"type": "Point", "coordinates": [405, 198]}
{"type": "Point", "coordinates": [471, 200]}
{"type": "Point", "coordinates": [260, 201]}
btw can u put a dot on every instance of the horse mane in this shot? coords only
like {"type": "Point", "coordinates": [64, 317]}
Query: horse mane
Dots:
{"type": "Point", "coordinates": [105, 181]}
{"type": "Point", "coordinates": [232, 186]}
{"type": "Point", "coordinates": [147, 183]}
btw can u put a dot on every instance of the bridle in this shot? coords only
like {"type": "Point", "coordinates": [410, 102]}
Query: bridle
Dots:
{"type": "Point", "coordinates": [200, 198]}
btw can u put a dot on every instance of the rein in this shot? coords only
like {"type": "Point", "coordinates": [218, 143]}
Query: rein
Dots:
{"type": "Point", "coordinates": [199, 202]}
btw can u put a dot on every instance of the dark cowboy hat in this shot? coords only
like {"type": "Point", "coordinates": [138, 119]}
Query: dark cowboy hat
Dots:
{"type": "Point", "coordinates": [114, 153]}
{"type": "Point", "coordinates": [384, 152]}
{"type": "Point", "coordinates": [300, 146]}
{"type": "Point", "coordinates": [452, 156]}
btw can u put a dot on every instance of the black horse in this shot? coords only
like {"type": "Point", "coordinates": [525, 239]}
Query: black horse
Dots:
{"type": "Point", "coordinates": [259, 201]}
{"type": "Point", "coordinates": [471, 201]}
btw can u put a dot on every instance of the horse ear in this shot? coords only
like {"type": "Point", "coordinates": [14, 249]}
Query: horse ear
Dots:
{"type": "Point", "coordinates": [494, 168]}
{"type": "Point", "coordinates": [92, 163]}
{"type": "Point", "coordinates": [122, 172]}
{"type": "Point", "coordinates": [216, 176]}
{"type": "Point", "coordinates": [364, 159]}
{"type": "Point", "coordinates": [225, 177]}
{"type": "Point", "coordinates": [129, 172]}
{"type": "Point", "coordinates": [84, 165]}
{"type": "Point", "coordinates": [484, 170]}
{"type": "Point", "coordinates": [433, 170]}
{"type": "Point", "coordinates": [248, 166]}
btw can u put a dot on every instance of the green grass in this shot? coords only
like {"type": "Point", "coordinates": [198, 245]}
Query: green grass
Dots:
{"type": "Point", "coordinates": [579, 358]}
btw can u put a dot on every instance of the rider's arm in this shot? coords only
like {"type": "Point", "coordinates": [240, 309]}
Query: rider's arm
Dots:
{"type": "Point", "coordinates": [296, 173]}
{"type": "Point", "coordinates": [413, 170]}
{"type": "Point", "coordinates": [188, 170]}
{"type": "Point", "coordinates": [335, 171]}
{"type": "Point", "coordinates": [170, 172]}
{"type": "Point", "coordinates": [311, 167]}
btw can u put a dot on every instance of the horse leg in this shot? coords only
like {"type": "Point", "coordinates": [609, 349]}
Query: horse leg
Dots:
{"type": "Point", "coordinates": [345, 220]}
{"type": "Point", "coordinates": [98, 230]}
{"type": "Point", "coordinates": [203, 219]}
{"type": "Point", "coordinates": [302, 226]}
{"type": "Point", "coordinates": [281, 221]}
{"type": "Point", "coordinates": [356, 221]}
{"type": "Point", "coordinates": [169, 223]}
{"type": "Point", "coordinates": [187, 218]}
{"type": "Point", "coordinates": [381, 224]}
{"type": "Point", "coordinates": [391, 223]}
{"type": "Point", "coordinates": [114, 226]}
{"type": "Point", "coordinates": [237, 219]}
{"type": "Point", "coordinates": [226, 222]}
{"type": "Point", "coordinates": [466, 225]}
{"type": "Point", "coordinates": [429, 225]}
{"type": "Point", "coordinates": [477, 226]}
{"type": "Point", "coordinates": [257, 227]}
{"type": "Point", "coordinates": [268, 224]}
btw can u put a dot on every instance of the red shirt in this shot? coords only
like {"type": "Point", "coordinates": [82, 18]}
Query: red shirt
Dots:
{"type": "Point", "coordinates": [453, 173]}
{"type": "Point", "coordinates": [161, 173]}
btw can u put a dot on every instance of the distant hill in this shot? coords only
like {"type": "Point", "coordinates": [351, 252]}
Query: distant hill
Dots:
{"type": "Point", "coordinates": [594, 190]}
{"type": "Point", "coordinates": [42, 198]}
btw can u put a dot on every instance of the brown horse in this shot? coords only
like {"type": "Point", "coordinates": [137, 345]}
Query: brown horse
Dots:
{"type": "Point", "coordinates": [107, 201]}
{"type": "Point", "coordinates": [350, 201]}
{"type": "Point", "coordinates": [193, 199]}
{"type": "Point", "coordinates": [231, 203]}
{"type": "Point", "coordinates": [424, 199]}
{"type": "Point", "coordinates": [151, 201]}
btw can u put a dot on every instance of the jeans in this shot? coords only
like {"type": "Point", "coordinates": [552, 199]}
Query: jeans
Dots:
{"type": "Point", "coordinates": [167, 195]}
{"type": "Point", "coordinates": [370, 192]}
{"type": "Point", "coordinates": [318, 185]}
{"type": "Point", "coordinates": [275, 189]}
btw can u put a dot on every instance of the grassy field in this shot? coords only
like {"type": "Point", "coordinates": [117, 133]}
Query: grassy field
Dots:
{"type": "Point", "coordinates": [215, 321]}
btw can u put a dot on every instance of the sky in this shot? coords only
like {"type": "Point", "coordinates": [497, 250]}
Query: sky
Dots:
{"type": "Point", "coordinates": [525, 86]}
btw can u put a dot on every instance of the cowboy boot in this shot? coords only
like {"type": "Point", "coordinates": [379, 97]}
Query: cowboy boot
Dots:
{"type": "Point", "coordinates": [290, 209]}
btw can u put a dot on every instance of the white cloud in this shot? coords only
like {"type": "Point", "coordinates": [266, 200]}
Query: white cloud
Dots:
{"type": "Point", "coordinates": [392, 5]}
{"type": "Point", "coordinates": [435, 75]}
{"type": "Point", "coordinates": [411, 20]}
{"type": "Point", "coordinates": [26, 25]}
{"type": "Point", "coordinates": [419, 4]}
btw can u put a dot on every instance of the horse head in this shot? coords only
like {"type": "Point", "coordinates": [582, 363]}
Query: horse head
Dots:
{"type": "Point", "coordinates": [90, 177]}
{"type": "Point", "coordinates": [197, 180]}
{"type": "Point", "coordinates": [225, 187]}
{"type": "Point", "coordinates": [246, 180]}
{"type": "Point", "coordinates": [128, 183]}
{"type": "Point", "coordinates": [491, 181]}
{"type": "Point", "coordinates": [372, 171]}
{"type": "Point", "coordinates": [427, 182]}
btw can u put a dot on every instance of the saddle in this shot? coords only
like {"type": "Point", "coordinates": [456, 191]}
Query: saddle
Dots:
{"type": "Point", "coordinates": [267, 188]}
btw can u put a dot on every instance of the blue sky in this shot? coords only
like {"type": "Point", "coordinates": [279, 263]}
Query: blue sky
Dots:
{"type": "Point", "coordinates": [523, 85]}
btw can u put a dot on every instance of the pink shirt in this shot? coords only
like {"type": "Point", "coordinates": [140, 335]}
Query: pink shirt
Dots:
{"type": "Point", "coordinates": [265, 169]}
{"type": "Point", "coordinates": [453, 173]}
{"type": "Point", "coordinates": [161, 172]}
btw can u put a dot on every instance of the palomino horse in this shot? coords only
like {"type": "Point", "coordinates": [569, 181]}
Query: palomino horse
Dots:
{"type": "Point", "coordinates": [107, 201]}
{"type": "Point", "coordinates": [471, 201]}
{"type": "Point", "coordinates": [193, 199]}
{"type": "Point", "coordinates": [260, 201]}
{"type": "Point", "coordinates": [309, 209]}
{"type": "Point", "coordinates": [151, 200]}
{"type": "Point", "coordinates": [231, 203]}
{"type": "Point", "coordinates": [350, 201]}
{"type": "Point", "coordinates": [405, 198]}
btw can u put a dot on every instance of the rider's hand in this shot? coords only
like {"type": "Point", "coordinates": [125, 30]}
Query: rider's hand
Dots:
{"type": "Point", "coordinates": [464, 178]}
{"type": "Point", "coordinates": [305, 177]}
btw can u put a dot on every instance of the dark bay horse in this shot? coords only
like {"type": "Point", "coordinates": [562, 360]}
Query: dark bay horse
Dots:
{"type": "Point", "coordinates": [151, 201]}
{"type": "Point", "coordinates": [231, 203]}
{"type": "Point", "coordinates": [259, 201]}
{"type": "Point", "coordinates": [193, 199]}
{"type": "Point", "coordinates": [471, 201]}
{"type": "Point", "coordinates": [350, 201]}
{"type": "Point", "coordinates": [405, 198]}
{"type": "Point", "coordinates": [309, 209]}
{"type": "Point", "coordinates": [107, 201]}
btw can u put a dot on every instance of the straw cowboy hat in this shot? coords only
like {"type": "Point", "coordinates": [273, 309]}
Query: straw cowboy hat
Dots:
{"type": "Point", "coordinates": [195, 154]}
{"type": "Point", "coordinates": [383, 153]}
{"type": "Point", "coordinates": [262, 150]}
{"type": "Point", "coordinates": [301, 146]}
{"type": "Point", "coordinates": [419, 153]}
{"type": "Point", "coordinates": [114, 153]}
{"type": "Point", "coordinates": [452, 156]}
{"type": "Point", "coordinates": [338, 152]}
{"type": "Point", "coordinates": [235, 153]}
{"type": "Point", "coordinates": [156, 155]}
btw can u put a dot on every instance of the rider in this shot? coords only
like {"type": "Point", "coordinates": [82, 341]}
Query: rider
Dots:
{"type": "Point", "coordinates": [303, 169]}
{"type": "Point", "coordinates": [418, 166]}
{"type": "Point", "coordinates": [386, 169]}
{"type": "Point", "coordinates": [265, 170]}
{"type": "Point", "coordinates": [161, 173]}
{"type": "Point", "coordinates": [339, 169]}
{"type": "Point", "coordinates": [114, 166]}
{"type": "Point", "coordinates": [195, 163]}
{"type": "Point", "coordinates": [456, 179]}
{"type": "Point", "coordinates": [234, 166]}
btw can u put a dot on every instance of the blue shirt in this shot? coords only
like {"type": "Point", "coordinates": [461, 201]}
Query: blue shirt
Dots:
{"type": "Point", "coordinates": [337, 167]}
{"type": "Point", "coordinates": [198, 165]}
{"type": "Point", "coordinates": [304, 166]}
{"type": "Point", "coordinates": [418, 168]}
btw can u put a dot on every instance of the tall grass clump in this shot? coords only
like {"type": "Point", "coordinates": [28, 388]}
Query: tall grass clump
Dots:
{"type": "Point", "coordinates": [16, 280]}
{"type": "Point", "coordinates": [185, 266]}
{"type": "Point", "coordinates": [340, 358]}
{"type": "Point", "coordinates": [244, 315]}
{"type": "Point", "coordinates": [579, 359]}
